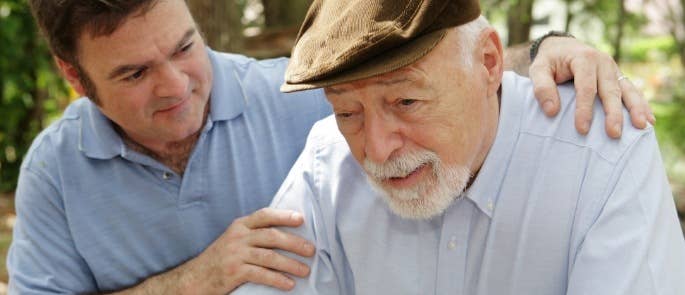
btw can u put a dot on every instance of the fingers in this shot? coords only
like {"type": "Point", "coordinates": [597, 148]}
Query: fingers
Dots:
{"type": "Point", "coordinates": [273, 260]}
{"type": "Point", "coordinates": [263, 276]}
{"type": "Point", "coordinates": [586, 88]}
{"type": "Point", "coordinates": [275, 239]}
{"type": "Point", "coordinates": [610, 94]}
{"type": "Point", "coordinates": [268, 217]}
{"type": "Point", "coordinates": [545, 88]}
{"type": "Point", "coordinates": [640, 112]}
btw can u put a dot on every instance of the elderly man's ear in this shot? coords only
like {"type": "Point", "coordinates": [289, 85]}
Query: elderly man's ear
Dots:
{"type": "Point", "coordinates": [491, 56]}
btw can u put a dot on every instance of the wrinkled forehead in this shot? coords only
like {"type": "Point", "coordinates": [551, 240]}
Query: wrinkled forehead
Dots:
{"type": "Point", "coordinates": [414, 76]}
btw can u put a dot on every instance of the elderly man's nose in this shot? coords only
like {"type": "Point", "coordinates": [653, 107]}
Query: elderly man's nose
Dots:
{"type": "Point", "coordinates": [381, 140]}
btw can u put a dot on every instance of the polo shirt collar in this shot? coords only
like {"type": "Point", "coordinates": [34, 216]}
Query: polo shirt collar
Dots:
{"type": "Point", "coordinates": [485, 188]}
{"type": "Point", "coordinates": [99, 140]}
{"type": "Point", "coordinates": [227, 99]}
{"type": "Point", "coordinates": [97, 137]}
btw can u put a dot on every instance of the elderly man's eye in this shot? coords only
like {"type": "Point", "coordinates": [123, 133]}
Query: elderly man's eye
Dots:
{"type": "Point", "coordinates": [343, 115]}
{"type": "Point", "coordinates": [406, 101]}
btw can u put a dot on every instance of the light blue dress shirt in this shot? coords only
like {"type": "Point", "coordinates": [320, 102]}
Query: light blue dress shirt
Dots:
{"type": "Point", "coordinates": [551, 212]}
{"type": "Point", "coordinates": [93, 215]}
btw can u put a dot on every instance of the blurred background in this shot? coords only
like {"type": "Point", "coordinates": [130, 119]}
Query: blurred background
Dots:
{"type": "Point", "coordinates": [647, 38]}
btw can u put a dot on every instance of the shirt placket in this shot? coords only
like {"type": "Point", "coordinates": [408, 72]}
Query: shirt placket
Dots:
{"type": "Point", "coordinates": [453, 248]}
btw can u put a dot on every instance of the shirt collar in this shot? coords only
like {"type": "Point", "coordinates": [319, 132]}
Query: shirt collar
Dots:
{"type": "Point", "coordinates": [99, 140]}
{"type": "Point", "coordinates": [485, 188]}
{"type": "Point", "coordinates": [97, 137]}
{"type": "Point", "coordinates": [227, 99]}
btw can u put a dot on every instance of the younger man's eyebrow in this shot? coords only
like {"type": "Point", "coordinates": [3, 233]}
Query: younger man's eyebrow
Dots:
{"type": "Point", "coordinates": [187, 36]}
{"type": "Point", "coordinates": [123, 69]}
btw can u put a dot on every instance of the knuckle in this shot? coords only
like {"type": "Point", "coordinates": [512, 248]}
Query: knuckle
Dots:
{"type": "Point", "coordinates": [248, 273]}
{"type": "Point", "coordinates": [613, 93]}
{"type": "Point", "coordinates": [269, 235]}
{"type": "Point", "coordinates": [587, 90]}
{"type": "Point", "coordinates": [589, 53]}
{"type": "Point", "coordinates": [234, 270]}
{"type": "Point", "coordinates": [537, 65]}
{"type": "Point", "coordinates": [543, 90]}
{"type": "Point", "coordinates": [267, 256]}
{"type": "Point", "coordinates": [262, 213]}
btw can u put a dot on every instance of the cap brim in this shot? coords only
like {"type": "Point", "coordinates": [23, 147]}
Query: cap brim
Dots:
{"type": "Point", "coordinates": [389, 61]}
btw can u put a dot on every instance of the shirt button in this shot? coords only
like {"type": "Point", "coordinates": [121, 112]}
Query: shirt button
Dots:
{"type": "Point", "coordinates": [490, 205]}
{"type": "Point", "coordinates": [452, 244]}
{"type": "Point", "coordinates": [166, 175]}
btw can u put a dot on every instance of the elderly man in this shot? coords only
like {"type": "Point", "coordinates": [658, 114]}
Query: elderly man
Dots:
{"type": "Point", "coordinates": [150, 184]}
{"type": "Point", "coordinates": [445, 178]}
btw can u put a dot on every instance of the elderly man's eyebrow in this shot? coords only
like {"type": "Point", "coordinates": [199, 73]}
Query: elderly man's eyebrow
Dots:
{"type": "Point", "coordinates": [384, 82]}
{"type": "Point", "coordinates": [123, 69]}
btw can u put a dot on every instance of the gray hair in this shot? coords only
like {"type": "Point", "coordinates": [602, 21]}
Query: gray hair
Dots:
{"type": "Point", "coordinates": [467, 37]}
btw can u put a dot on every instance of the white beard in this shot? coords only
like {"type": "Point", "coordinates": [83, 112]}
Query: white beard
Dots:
{"type": "Point", "coordinates": [428, 198]}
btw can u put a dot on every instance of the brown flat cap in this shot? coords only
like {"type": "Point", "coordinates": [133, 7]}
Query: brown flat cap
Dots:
{"type": "Point", "coordinates": [346, 40]}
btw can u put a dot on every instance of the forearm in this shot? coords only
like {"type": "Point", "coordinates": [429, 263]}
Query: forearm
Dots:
{"type": "Point", "coordinates": [517, 58]}
{"type": "Point", "coordinates": [179, 280]}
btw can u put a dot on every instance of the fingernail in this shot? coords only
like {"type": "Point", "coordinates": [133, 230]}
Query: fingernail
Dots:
{"type": "Point", "coordinates": [289, 283]}
{"type": "Point", "coordinates": [653, 119]}
{"type": "Point", "coordinates": [585, 126]}
{"type": "Point", "coordinates": [548, 106]}
{"type": "Point", "coordinates": [617, 129]}
{"type": "Point", "coordinates": [295, 216]}
{"type": "Point", "coordinates": [309, 248]}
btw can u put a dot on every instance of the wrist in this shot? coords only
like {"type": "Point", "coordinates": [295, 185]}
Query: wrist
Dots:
{"type": "Point", "coordinates": [535, 46]}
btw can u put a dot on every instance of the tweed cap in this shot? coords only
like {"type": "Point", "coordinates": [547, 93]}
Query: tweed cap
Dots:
{"type": "Point", "coordinates": [346, 40]}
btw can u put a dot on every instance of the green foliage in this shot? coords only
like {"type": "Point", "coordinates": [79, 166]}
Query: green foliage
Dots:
{"type": "Point", "coordinates": [29, 87]}
{"type": "Point", "coordinates": [670, 125]}
{"type": "Point", "coordinates": [651, 49]}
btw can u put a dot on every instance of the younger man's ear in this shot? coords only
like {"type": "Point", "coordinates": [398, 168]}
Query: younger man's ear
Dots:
{"type": "Point", "coordinates": [72, 75]}
{"type": "Point", "coordinates": [493, 58]}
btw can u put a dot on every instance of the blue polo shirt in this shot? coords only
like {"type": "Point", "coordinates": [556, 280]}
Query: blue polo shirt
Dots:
{"type": "Point", "coordinates": [94, 215]}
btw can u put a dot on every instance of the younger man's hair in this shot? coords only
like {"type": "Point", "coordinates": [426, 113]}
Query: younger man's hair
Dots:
{"type": "Point", "coordinates": [63, 22]}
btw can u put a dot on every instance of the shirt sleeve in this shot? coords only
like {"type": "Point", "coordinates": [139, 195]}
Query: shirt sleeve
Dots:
{"type": "Point", "coordinates": [635, 246]}
{"type": "Point", "coordinates": [43, 258]}
{"type": "Point", "coordinates": [299, 193]}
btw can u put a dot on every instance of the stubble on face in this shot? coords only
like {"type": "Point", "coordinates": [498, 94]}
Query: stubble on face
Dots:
{"type": "Point", "coordinates": [428, 198]}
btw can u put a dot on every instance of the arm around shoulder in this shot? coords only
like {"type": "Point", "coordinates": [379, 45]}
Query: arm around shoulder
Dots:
{"type": "Point", "coordinates": [300, 193]}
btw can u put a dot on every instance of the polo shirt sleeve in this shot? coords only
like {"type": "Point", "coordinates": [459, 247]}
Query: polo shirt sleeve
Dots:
{"type": "Point", "coordinates": [635, 245]}
{"type": "Point", "coordinates": [300, 193]}
{"type": "Point", "coordinates": [42, 258]}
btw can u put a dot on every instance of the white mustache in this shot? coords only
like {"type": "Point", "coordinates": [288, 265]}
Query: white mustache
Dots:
{"type": "Point", "coordinates": [401, 166]}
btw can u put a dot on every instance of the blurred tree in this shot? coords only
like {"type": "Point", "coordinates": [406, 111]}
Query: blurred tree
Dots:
{"type": "Point", "coordinates": [30, 91]}
{"type": "Point", "coordinates": [220, 22]}
{"type": "Point", "coordinates": [675, 18]}
{"type": "Point", "coordinates": [620, 25]}
{"type": "Point", "coordinates": [618, 22]}
{"type": "Point", "coordinates": [519, 21]}
{"type": "Point", "coordinates": [284, 13]}
{"type": "Point", "coordinates": [518, 15]}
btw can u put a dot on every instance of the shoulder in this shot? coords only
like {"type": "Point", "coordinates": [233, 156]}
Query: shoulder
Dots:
{"type": "Point", "coordinates": [59, 139]}
{"type": "Point", "coordinates": [561, 128]}
{"type": "Point", "coordinates": [259, 81]}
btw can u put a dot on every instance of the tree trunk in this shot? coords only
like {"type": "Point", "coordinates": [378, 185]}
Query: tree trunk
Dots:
{"type": "Point", "coordinates": [569, 16]}
{"type": "Point", "coordinates": [284, 13]}
{"type": "Point", "coordinates": [519, 21]}
{"type": "Point", "coordinates": [219, 22]}
{"type": "Point", "coordinates": [619, 34]}
{"type": "Point", "coordinates": [676, 18]}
